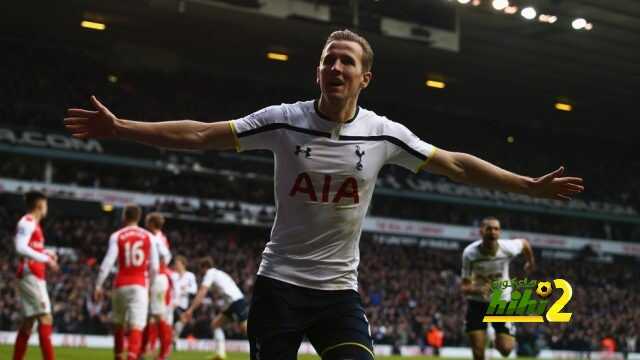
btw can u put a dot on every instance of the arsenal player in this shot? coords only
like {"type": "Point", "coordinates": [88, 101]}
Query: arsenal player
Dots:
{"type": "Point", "coordinates": [132, 247]}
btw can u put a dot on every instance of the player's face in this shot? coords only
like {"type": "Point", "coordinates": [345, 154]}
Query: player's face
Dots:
{"type": "Point", "coordinates": [340, 73]}
{"type": "Point", "coordinates": [490, 230]}
{"type": "Point", "coordinates": [43, 207]}
{"type": "Point", "coordinates": [150, 226]}
{"type": "Point", "coordinates": [179, 266]}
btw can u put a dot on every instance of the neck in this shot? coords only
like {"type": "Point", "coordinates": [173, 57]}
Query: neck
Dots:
{"type": "Point", "coordinates": [489, 246]}
{"type": "Point", "coordinates": [36, 215]}
{"type": "Point", "coordinates": [131, 223]}
{"type": "Point", "coordinates": [339, 111]}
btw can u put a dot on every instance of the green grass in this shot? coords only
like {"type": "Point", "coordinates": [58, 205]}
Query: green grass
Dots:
{"type": "Point", "coordinates": [63, 353]}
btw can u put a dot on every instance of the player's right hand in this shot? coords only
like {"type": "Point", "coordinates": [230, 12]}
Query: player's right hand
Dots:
{"type": "Point", "coordinates": [97, 295]}
{"type": "Point", "coordinates": [87, 124]}
{"type": "Point", "coordinates": [52, 254]}
{"type": "Point", "coordinates": [484, 290]}
{"type": "Point", "coordinates": [53, 264]}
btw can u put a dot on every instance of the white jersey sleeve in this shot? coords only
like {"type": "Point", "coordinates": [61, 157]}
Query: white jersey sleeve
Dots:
{"type": "Point", "coordinates": [209, 278]}
{"type": "Point", "coordinates": [109, 260]}
{"type": "Point", "coordinates": [154, 260]}
{"type": "Point", "coordinates": [252, 131]}
{"type": "Point", "coordinates": [163, 250]}
{"type": "Point", "coordinates": [466, 266]}
{"type": "Point", "coordinates": [512, 247]}
{"type": "Point", "coordinates": [406, 149]}
{"type": "Point", "coordinates": [23, 235]}
{"type": "Point", "coordinates": [223, 283]}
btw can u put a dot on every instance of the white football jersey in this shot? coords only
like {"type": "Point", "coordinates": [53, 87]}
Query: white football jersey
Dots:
{"type": "Point", "coordinates": [223, 284]}
{"type": "Point", "coordinates": [325, 173]}
{"type": "Point", "coordinates": [183, 286]}
{"type": "Point", "coordinates": [481, 268]}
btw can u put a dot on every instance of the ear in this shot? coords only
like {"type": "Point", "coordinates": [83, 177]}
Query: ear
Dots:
{"type": "Point", "coordinates": [366, 79]}
{"type": "Point", "coordinates": [318, 75]}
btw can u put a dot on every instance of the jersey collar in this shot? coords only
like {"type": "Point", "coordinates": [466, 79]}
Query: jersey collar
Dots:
{"type": "Point", "coordinates": [324, 117]}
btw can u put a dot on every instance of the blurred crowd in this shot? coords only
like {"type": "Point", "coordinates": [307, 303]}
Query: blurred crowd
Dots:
{"type": "Point", "coordinates": [406, 289]}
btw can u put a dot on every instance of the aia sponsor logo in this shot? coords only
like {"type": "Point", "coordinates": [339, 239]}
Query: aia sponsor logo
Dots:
{"type": "Point", "coordinates": [326, 188]}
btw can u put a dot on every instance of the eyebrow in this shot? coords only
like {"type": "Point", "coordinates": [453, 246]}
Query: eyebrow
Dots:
{"type": "Point", "coordinates": [352, 58]}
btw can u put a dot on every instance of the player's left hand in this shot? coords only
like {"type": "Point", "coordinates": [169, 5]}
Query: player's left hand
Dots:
{"type": "Point", "coordinates": [89, 124]}
{"type": "Point", "coordinates": [97, 295]}
{"type": "Point", "coordinates": [554, 186]}
{"type": "Point", "coordinates": [186, 316]}
{"type": "Point", "coordinates": [529, 267]}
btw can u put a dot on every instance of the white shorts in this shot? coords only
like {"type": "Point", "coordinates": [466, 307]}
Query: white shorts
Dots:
{"type": "Point", "coordinates": [159, 290]}
{"type": "Point", "coordinates": [131, 306]}
{"type": "Point", "coordinates": [33, 296]}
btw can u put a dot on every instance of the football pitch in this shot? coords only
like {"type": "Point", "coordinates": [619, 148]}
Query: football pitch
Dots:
{"type": "Point", "coordinates": [63, 353]}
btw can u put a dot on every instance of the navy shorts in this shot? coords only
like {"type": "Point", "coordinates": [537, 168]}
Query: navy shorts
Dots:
{"type": "Point", "coordinates": [475, 313]}
{"type": "Point", "coordinates": [238, 311]}
{"type": "Point", "coordinates": [282, 314]}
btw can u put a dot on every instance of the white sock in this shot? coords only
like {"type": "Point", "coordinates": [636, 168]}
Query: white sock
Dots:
{"type": "Point", "coordinates": [178, 329]}
{"type": "Point", "coordinates": [218, 335]}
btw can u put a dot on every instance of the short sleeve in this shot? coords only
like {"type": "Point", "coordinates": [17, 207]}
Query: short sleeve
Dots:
{"type": "Point", "coordinates": [406, 149]}
{"type": "Point", "coordinates": [512, 247]}
{"type": "Point", "coordinates": [208, 278]}
{"type": "Point", "coordinates": [466, 267]}
{"type": "Point", "coordinates": [255, 131]}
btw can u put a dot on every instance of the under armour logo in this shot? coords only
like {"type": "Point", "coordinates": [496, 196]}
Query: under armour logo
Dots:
{"type": "Point", "coordinates": [360, 154]}
{"type": "Point", "coordinates": [307, 151]}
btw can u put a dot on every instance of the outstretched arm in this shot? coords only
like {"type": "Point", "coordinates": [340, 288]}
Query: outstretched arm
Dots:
{"type": "Point", "coordinates": [468, 169]}
{"type": "Point", "coordinates": [181, 134]}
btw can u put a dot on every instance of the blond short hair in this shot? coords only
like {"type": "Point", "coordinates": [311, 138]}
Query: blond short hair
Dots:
{"type": "Point", "coordinates": [348, 35]}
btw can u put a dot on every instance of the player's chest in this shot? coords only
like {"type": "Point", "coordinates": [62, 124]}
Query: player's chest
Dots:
{"type": "Point", "coordinates": [361, 159]}
{"type": "Point", "coordinates": [37, 239]}
{"type": "Point", "coordinates": [489, 265]}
